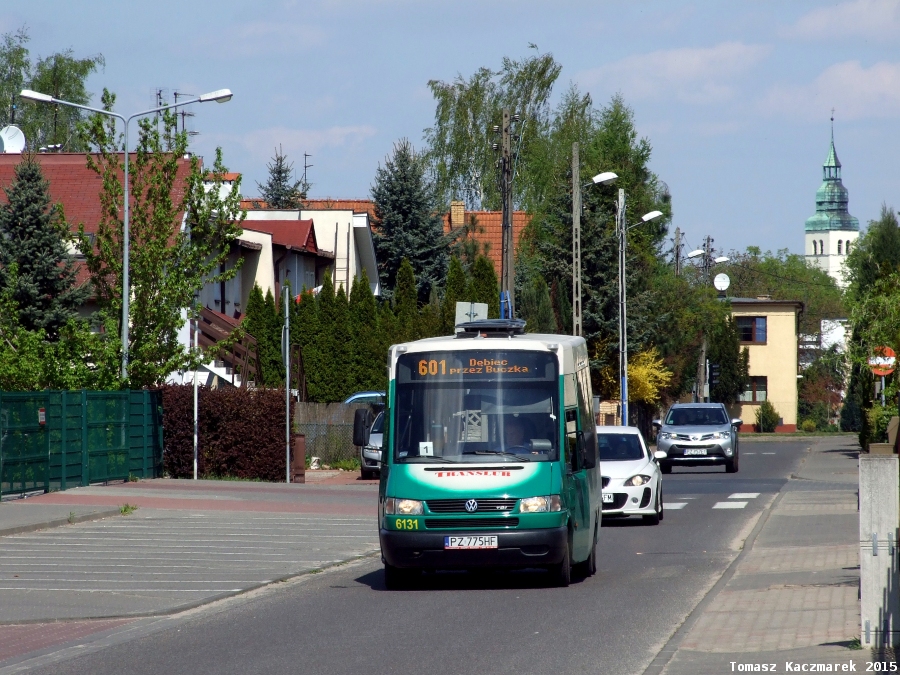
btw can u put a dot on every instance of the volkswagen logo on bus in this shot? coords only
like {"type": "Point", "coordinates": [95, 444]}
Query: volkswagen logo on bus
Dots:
{"type": "Point", "coordinates": [471, 506]}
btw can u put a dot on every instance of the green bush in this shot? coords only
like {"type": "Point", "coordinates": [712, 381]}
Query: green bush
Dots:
{"type": "Point", "coordinates": [878, 419]}
{"type": "Point", "coordinates": [766, 417]}
{"type": "Point", "coordinates": [808, 426]}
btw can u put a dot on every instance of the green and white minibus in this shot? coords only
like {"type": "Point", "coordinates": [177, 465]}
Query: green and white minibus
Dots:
{"type": "Point", "coordinates": [489, 455]}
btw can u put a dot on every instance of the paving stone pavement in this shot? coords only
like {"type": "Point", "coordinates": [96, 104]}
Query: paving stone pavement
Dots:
{"type": "Point", "coordinates": [794, 594]}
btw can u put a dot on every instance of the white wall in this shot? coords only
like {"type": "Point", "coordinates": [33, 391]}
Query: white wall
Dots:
{"type": "Point", "coordinates": [829, 260]}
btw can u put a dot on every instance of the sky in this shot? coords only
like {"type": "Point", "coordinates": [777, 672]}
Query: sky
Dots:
{"type": "Point", "coordinates": [734, 97]}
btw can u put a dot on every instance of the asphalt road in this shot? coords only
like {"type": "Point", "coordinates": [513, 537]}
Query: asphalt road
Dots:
{"type": "Point", "coordinates": [344, 621]}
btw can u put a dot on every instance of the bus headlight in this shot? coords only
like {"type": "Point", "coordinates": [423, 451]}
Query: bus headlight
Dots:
{"type": "Point", "coordinates": [540, 504]}
{"type": "Point", "coordinates": [402, 507]}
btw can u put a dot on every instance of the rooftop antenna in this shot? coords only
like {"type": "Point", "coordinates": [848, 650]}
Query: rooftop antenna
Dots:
{"type": "Point", "coordinates": [184, 114]}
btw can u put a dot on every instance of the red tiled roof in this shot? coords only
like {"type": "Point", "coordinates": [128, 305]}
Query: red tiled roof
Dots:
{"type": "Point", "coordinates": [230, 176]}
{"type": "Point", "coordinates": [77, 188]}
{"type": "Point", "coordinates": [489, 231]}
{"type": "Point", "coordinates": [292, 234]}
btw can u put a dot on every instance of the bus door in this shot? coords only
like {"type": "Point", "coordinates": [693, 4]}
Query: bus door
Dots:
{"type": "Point", "coordinates": [581, 455]}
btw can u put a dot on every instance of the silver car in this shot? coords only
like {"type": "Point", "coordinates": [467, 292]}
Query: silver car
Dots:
{"type": "Point", "coordinates": [370, 454]}
{"type": "Point", "coordinates": [698, 434]}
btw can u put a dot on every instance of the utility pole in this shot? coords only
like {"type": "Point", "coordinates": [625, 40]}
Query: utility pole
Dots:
{"type": "Point", "coordinates": [623, 320]}
{"type": "Point", "coordinates": [507, 273]}
{"type": "Point", "coordinates": [576, 242]}
{"type": "Point", "coordinates": [677, 251]}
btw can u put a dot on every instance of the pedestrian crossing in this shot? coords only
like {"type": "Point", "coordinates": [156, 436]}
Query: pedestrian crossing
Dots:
{"type": "Point", "coordinates": [737, 500]}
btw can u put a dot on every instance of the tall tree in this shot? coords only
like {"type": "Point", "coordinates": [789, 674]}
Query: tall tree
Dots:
{"type": "Point", "coordinates": [35, 236]}
{"type": "Point", "coordinates": [342, 356]}
{"type": "Point", "coordinates": [410, 227]}
{"type": "Point", "coordinates": [535, 307]}
{"type": "Point", "coordinates": [305, 332]}
{"type": "Point", "coordinates": [171, 257]}
{"type": "Point", "coordinates": [460, 152]}
{"type": "Point", "coordinates": [15, 69]}
{"type": "Point", "coordinates": [281, 190]}
{"type": "Point", "coordinates": [320, 380]}
{"type": "Point", "coordinates": [60, 75]}
{"type": "Point", "coordinates": [454, 291]}
{"type": "Point", "coordinates": [733, 362]}
{"type": "Point", "coordinates": [406, 303]}
{"type": "Point", "coordinates": [369, 355]}
{"type": "Point", "coordinates": [483, 286]}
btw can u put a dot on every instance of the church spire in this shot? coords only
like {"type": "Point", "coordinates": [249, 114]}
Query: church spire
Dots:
{"type": "Point", "coordinates": [832, 198]}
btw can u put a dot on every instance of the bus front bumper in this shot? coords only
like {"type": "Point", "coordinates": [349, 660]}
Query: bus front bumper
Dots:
{"type": "Point", "coordinates": [515, 548]}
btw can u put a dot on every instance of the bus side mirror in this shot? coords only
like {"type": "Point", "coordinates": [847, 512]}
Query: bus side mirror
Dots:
{"type": "Point", "coordinates": [362, 422]}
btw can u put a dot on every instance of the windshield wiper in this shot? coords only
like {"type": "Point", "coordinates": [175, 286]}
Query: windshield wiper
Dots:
{"type": "Point", "coordinates": [519, 458]}
{"type": "Point", "coordinates": [430, 458]}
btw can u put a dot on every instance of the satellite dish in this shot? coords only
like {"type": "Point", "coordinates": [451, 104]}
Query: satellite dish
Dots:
{"type": "Point", "coordinates": [721, 282]}
{"type": "Point", "coordinates": [12, 140]}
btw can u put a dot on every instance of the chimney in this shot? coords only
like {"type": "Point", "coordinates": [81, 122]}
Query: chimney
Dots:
{"type": "Point", "coordinates": [457, 214]}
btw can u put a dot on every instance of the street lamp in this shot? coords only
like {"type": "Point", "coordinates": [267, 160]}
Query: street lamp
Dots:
{"type": "Point", "coordinates": [219, 96]}
{"type": "Point", "coordinates": [621, 230]}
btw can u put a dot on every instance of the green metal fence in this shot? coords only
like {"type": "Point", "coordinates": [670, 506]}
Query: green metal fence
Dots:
{"type": "Point", "coordinates": [54, 440]}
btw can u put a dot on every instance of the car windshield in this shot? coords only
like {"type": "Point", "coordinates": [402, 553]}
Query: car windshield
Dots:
{"type": "Point", "coordinates": [696, 417]}
{"type": "Point", "coordinates": [619, 447]}
{"type": "Point", "coordinates": [378, 424]}
{"type": "Point", "coordinates": [476, 406]}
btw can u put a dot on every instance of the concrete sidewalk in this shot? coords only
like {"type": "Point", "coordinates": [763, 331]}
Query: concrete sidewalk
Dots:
{"type": "Point", "coordinates": [791, 596]}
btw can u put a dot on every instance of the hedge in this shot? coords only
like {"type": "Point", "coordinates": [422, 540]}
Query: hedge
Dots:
{"type": "Point", "coordinates": [241, 433]}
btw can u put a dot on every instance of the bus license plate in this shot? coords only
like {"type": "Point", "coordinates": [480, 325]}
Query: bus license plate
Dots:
{"type": "Point", "coordinates": [694, 451]}
{"type": "Point", "coordinates": [485, 541]}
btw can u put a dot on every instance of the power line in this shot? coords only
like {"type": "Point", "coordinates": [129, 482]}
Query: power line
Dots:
{"type": "Point", "coordinates": [778, 276]}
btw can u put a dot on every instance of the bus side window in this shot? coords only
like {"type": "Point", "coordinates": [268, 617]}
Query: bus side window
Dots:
{"type": "Point", "coordinates": [588, 433]}
{"type": "Point", "coordinates": [573, 440]}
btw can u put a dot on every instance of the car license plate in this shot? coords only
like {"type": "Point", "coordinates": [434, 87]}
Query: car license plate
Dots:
{"type": "Point", "coordinates": [484, 541]}
{"type": "Point", "coordinates": [608, 497]}
{"type": "Point", "coordinates": [694, 451]}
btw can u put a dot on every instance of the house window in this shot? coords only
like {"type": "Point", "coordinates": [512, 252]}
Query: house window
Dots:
{"type": "Point", "coordinates": [840, 252]}
{"type": "Point", "coordinates": [752, 329]}
{"type": "Point", "coordinates": [755, 391]}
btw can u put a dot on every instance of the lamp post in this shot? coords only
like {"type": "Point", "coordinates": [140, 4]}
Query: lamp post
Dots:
{"type": "Point", "coordinates": [701, 389]}
{"type": "Point", "coordinates": [622, 230]}
{"type": "Point", "coordinates": [219, 96]}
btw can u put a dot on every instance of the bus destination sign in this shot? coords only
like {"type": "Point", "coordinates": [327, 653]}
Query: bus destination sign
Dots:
{"type": "Point", "coordinates": [436, 366]}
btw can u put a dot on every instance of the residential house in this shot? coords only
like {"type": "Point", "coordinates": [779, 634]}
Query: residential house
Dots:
{"type": "Point", "coordinates": [769, 329]}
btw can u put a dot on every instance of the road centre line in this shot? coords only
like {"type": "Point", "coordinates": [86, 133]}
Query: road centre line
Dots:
{"type": "Point", "coordinates": [674, 506]}
{"type": "Point", "coordinates": [744, 495]}
{"type": "Point", "coordinates": [768, 453]}
{"type": "Point", "coordinates": [729, 505]}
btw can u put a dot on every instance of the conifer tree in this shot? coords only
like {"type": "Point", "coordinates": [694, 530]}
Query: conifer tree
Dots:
{"type": "Point", "coordinates": [368, 355]}
{"type": "Point", "coordinates": [342, 356]}
{"type": "Point", "coordinates": [272, 362]}
{"type": "Point", "coordinates": [733, 362]}
{"type": "Point", "coordinates": [388, 334]}
{"type": "Point", "coordinates": [406, 303]}
{"type": "Point", "coordinates": [535, 307]}
{"type": "Point", "coordinates": [281, 191]}
{"type": "Point", "coordinates": [305, 332]}
{"type": "Point", "coordinates": [454, 291]}
{"type": "Point", "coordinates": [320, 379]}
{"type": "Point", "coordinates": [410, 227]}
{"type": "Point", "coordinates": [33, 236]}
{"type": "Point", "coordinates": [258, 322]}
{"type": "Point", "coordinates": [430, 324]}
{"type": "Point", "coordinates": [483, 286]}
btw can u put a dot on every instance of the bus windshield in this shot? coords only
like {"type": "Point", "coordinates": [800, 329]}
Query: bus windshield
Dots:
{"type": "Point", "coordinates": [476, 406]}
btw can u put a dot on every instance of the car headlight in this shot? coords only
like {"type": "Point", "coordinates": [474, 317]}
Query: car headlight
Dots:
{"type": "Point", "coordinates": [540, 504]}
{"type": "Point", "coordinates": [634, 481]}
{"type": "Point", "coordinates": [665, 435]}
{"type": "Point", "coordinates": [722, 435]}
{"type": "Point", "coordinates": [403, 507]}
